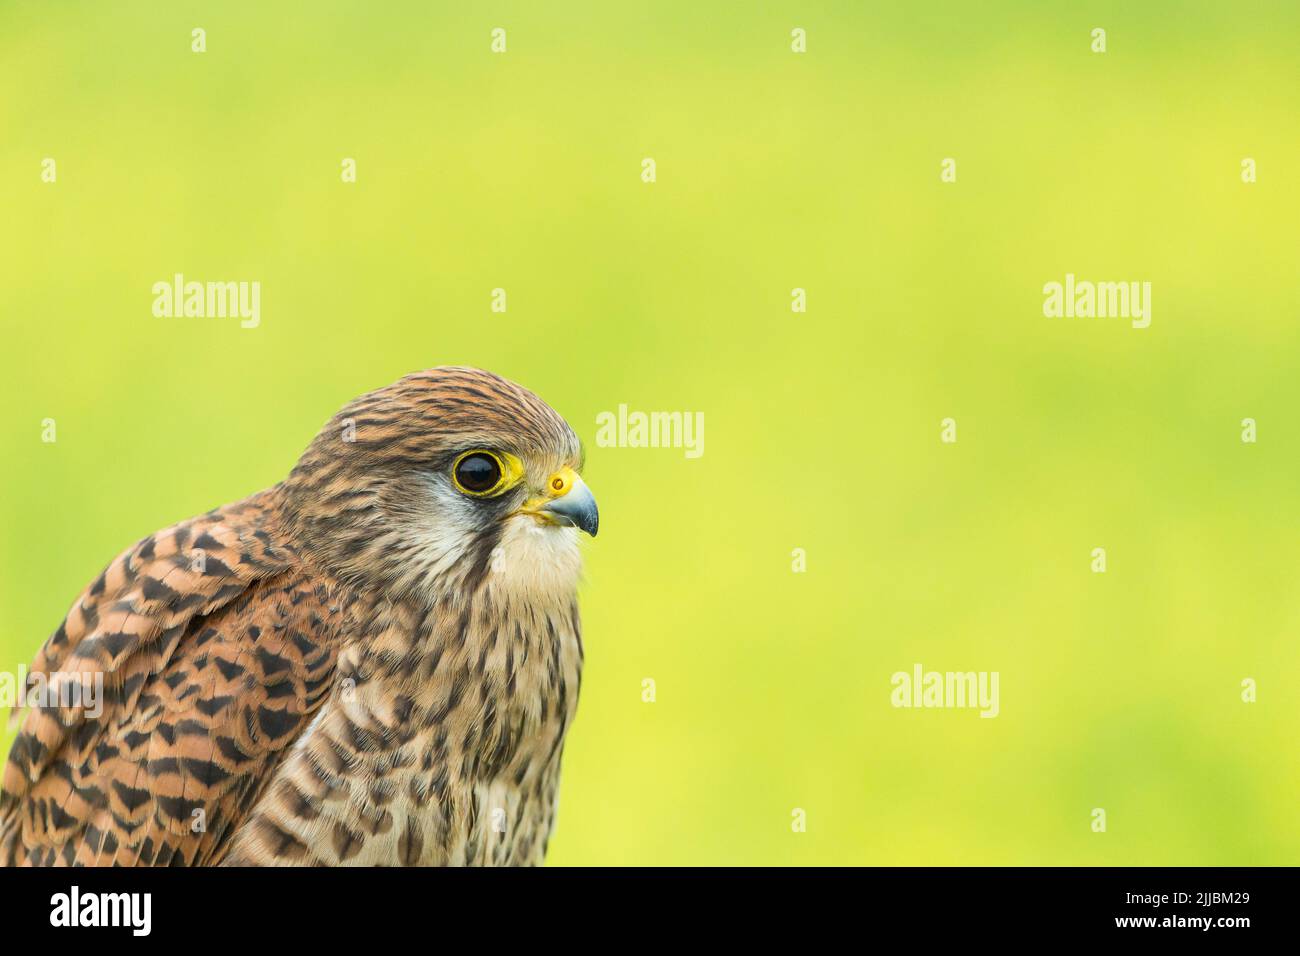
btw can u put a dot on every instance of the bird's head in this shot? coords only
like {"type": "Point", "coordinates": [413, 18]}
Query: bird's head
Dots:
{"type": "Point", "coordinates": [445, 481]}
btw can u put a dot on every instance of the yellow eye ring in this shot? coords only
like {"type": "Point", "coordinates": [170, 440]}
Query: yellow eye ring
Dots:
{"type": "Point", "coordinates": [480, 473]}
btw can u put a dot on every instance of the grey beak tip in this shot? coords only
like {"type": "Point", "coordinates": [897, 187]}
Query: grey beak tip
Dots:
{"type": "Point", "coordinates": [578, 509]}
{"type": "Point", "coordinates": [586, 519]}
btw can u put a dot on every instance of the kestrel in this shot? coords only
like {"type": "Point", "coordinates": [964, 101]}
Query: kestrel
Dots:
{"type": "Point", "coordinates": [373, 662]}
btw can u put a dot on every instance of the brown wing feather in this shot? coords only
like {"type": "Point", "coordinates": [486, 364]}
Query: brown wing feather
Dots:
{"type": "Point", "coordinates": [215, 647]}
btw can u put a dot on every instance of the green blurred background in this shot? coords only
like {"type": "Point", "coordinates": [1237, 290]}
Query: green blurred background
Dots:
{"type": "Point", "coordinates": [775, 170]}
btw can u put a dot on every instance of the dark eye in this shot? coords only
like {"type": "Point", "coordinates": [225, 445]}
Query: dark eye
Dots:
{"type": "Point", "coordinates": [477, 473]}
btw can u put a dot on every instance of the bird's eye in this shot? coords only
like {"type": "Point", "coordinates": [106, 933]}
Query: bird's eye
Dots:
{"type": "Point", "coordinates": [477, 473]}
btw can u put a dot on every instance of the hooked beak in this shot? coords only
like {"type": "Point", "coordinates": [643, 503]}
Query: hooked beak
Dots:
{"type": "Point", "coordinates": [566, 501]}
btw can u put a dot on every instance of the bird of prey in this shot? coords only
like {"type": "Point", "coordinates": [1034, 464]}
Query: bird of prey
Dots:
{"type": "Point", "coordinates": [373, 662]}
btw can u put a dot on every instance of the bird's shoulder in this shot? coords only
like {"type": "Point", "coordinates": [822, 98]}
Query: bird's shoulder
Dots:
{"type": "Point", "coordinates": [212, 642]}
